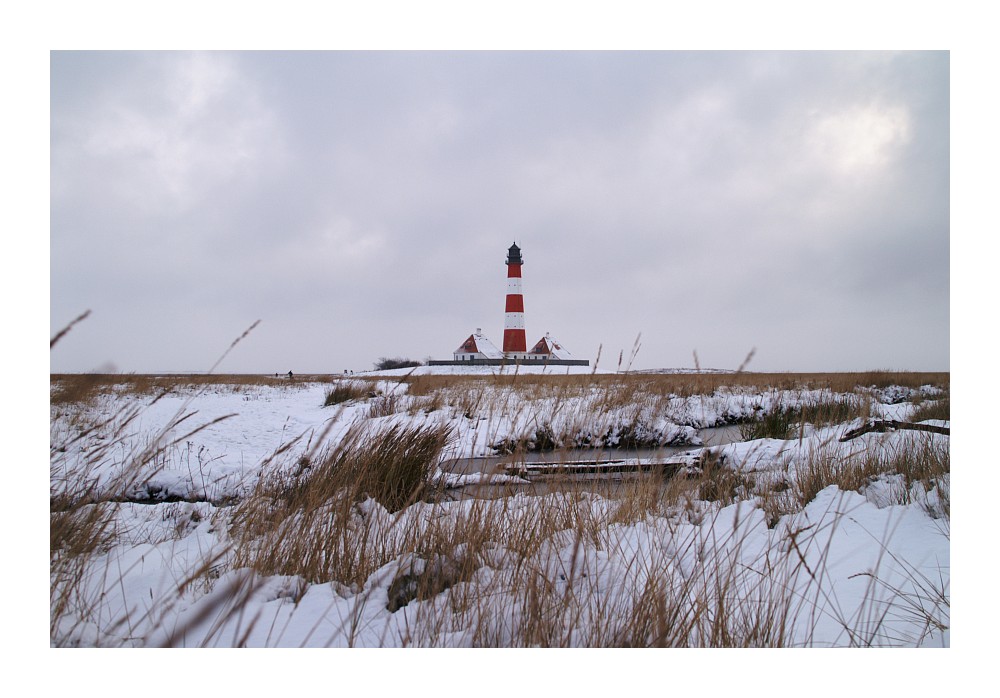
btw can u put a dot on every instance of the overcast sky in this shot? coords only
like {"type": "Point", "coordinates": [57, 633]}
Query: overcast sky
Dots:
{"type": "Point", "coordinates": [360, 204]}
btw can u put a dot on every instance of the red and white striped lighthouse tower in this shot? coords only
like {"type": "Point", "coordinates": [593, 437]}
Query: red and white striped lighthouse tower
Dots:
{"type": "Point", "coordinates": [513, 324]}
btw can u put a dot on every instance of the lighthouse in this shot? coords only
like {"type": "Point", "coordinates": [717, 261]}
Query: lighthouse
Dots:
{"type": "Point", "coordinates": [477, 350]}
{"type": "Point", "coordinates": [514, 342]}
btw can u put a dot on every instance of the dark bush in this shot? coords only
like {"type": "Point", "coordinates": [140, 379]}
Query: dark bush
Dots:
{"type": "Point", "coordinates": [384, 364]}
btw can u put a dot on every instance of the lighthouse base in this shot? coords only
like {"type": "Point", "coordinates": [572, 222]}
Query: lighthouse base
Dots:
{"type": "Point", "coordinates": [512, 362]}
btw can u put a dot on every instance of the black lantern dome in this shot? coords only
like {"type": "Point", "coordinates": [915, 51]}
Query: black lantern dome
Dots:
{"type": "Point", "coordinates": [514, 255]}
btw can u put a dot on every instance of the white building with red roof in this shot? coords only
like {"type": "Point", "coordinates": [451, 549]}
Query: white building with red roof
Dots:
{"type": "Point", "coordinates": [477, 347]}
{"type": "Point", "coordinates": [549, 348]}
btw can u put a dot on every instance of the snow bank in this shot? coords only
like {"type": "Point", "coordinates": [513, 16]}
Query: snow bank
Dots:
{"type": "Point", "coordinates": [851, 568]}
{"type": "Point", "coordinates": [842, 572]}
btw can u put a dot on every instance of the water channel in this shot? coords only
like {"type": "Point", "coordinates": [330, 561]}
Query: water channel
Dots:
{"type": "Point", "coordinates": [606, 484]}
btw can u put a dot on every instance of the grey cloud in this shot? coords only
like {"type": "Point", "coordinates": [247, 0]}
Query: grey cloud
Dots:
{"type": "Point", "coordinates": [361, 203]}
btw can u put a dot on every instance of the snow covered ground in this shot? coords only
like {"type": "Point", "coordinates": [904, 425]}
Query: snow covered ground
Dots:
{"type": "Point", "coordinates": [863, 567]}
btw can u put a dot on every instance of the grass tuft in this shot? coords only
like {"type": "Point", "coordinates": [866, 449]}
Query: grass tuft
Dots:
{"type": "Point", "coordinates": [783, 421]}
{"type": "Point", "coordinates": [343, 391]}
{"type": "Point", "coordinates": [923, 462]}
{"type": "Point", "coordinates": [311, 523]}
{"type": "Point", "coordinates": [932, 409]}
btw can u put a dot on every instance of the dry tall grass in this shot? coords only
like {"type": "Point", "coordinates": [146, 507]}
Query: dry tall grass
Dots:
{"type": "Point", "coordinates": [305, 523]}
{"type": "Point", "coordinates": [922, 462]}
{"type": "Point", "coordinates": [67, 387]}
{"type": "Point", "coordinates": [680, 384]}
{"type": "Point", "coordinates": [781, 421]}
{"type": "Point", "coordinates": [80, 387]}
{"type": "Point", "coordinates": [932, 409]}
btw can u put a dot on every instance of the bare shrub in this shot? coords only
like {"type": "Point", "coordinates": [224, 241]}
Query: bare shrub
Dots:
{"type": "Point", "coordinates": [385, 363]}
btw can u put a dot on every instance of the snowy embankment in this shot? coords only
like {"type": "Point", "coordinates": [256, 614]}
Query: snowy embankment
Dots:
{"type": "Point", "coordinates": [239, 432]}
{"type": "Point", "coordinates": [846, 568]}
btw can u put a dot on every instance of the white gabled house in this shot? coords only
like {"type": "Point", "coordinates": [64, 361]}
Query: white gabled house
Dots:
{"type": "Point", "coordinates": [477, 347]}
{"type": "Point", "coordinates": [549, 348]}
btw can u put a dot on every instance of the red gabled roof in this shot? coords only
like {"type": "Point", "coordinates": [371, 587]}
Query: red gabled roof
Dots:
{"type": "Point", "coordinates": [548, 346]}
{"type": "Point", "coordinates": [541, 347]}
{"type": "Point", "coordinates": [478, 344]}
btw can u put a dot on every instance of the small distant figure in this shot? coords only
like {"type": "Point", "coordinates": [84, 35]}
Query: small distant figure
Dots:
{"type": "Point", "coordinates": [345, 371]}
{"type": "Point", "coordinates": [289, 375]}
